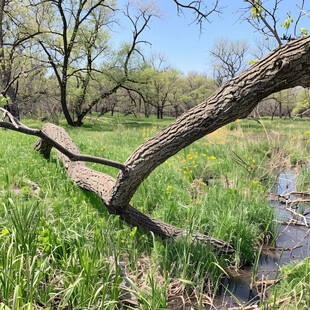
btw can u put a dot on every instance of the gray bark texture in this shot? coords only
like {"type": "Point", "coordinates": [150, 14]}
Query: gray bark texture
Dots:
{"type": "Point", "coordinates": [102, 185]}
{"type": "Point", "coordinates": [286, 67]}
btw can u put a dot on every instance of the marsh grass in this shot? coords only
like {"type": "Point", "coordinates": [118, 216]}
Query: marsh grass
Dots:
{"type": "Point", "coordinates": [60, 249]}
{"type": "Point", "coordinates": [294, 289]}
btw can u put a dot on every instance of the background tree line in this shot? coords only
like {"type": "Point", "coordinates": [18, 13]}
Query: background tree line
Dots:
{"type": "Point", "coordinates": [56, 58]}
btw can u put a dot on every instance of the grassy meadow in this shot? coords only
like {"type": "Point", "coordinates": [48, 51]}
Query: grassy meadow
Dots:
{"type": "Point", "coordinates": [60, 249]}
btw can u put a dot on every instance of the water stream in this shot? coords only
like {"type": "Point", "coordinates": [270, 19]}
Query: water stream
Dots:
{"type": "Point", "coordinates": [238, 286]}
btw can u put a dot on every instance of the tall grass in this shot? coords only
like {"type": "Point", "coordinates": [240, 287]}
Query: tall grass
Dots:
{"type": "Point", "coordinates": [60, 249]}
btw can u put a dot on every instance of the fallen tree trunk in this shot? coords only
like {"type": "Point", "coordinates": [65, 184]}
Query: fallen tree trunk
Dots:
{"type": "Point", "coordinates": [287, 66]}
{"type": "Point", "coordinates": [102, 185]}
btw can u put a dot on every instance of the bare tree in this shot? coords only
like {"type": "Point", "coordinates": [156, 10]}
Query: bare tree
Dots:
{"type": "Point", "coordinates": [200, 9]}
{"type": "Point", "coordinates": [281, 69]}
{"type": "Point", "coordinates": [59, 45]}
{"type": "Point", "coordinates": [228, 59]}
{"type": "Point", "coordinates": [263, 47]}
{"type": "Point", "coordinates": [73, 50]}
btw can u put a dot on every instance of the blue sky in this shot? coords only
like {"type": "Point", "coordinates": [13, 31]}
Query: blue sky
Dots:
{"type": "Point", "coordinates": [186, 49]}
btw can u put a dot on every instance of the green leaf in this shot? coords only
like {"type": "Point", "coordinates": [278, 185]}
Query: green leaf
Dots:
{"type": "Point", "coordinates": [304, 32]}
{"type": "Point", "coordinates": [4, 307]}
{"type": "Point", "coordinates": [253, 61]}
{"type": "Point", "coordinates": [256, 11]}
{"type": "Point", "coordinates": [287, 23]}
{"type": "Point", "coordinates": [133, 232]}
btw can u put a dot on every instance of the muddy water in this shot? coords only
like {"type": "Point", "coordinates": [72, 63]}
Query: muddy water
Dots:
{"type": "Point", "coordinates": [272, 258]}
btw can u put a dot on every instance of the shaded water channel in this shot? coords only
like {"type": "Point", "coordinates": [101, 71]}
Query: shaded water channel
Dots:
{"type": "Point", "coordinates": [289, 237]}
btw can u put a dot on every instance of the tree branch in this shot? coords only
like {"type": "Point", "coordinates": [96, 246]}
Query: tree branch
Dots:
{"type": "Point", "coordinates": [17, 77]}
{"type": "Point", "coordinates": [273, 30]}
{"type": "Point", "coordinates": [16, 125]}
{"type": "Point", "coordinates": [201, 13]}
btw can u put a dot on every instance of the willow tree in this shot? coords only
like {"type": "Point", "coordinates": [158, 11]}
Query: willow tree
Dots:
{"type": "Point", "coordinates": [287, 66]}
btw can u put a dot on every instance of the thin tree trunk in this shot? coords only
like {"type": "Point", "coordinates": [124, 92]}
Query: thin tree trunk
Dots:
{"type": "Point", "coordinates": [2, 62]}
{"type": "Point", "coordinates": [64, 105]}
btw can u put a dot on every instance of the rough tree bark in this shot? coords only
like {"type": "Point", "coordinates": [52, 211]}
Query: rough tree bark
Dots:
{"type": "Point", "coordinates": [286, 67]}
{"type": "Point", "coordinates": [97, 182]}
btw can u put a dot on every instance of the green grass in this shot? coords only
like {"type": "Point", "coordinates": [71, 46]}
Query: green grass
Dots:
{"type": "Point", "coordinates": [60, 249]}
{"type": "Point", "coordinates": [294, 289]}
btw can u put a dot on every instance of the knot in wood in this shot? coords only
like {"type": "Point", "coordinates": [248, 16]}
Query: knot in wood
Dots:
{"type": "Point", "coordinates": [282, 63]}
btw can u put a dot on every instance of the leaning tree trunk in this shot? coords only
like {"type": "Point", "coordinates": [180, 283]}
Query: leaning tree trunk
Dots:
{"type": "Point", "coordinates": [286, 67]}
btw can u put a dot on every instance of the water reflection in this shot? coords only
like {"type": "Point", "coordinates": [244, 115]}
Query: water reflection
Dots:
{"type": "Point", "coordinates": [289, 237]}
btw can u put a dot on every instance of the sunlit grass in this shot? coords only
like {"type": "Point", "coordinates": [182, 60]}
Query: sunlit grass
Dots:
{"type": "Point", "coordinates": [60, 248]}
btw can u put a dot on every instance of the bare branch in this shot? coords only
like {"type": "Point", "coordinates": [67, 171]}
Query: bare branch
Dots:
{"type": "Point", "coordinates": [271, 28]}
{"type": "Point", "coordinates": [301, 9]}
{"type": "Point", "coordinates": [17, 76]}
{"type": "Point", "coordinates": [145, 14]}
{"type": "Point", "coordinates": [299, 16]}
{"type": "Point", "coordinates": [200, 10]}
{"type": "Point", "coordinates": [16, 125]}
